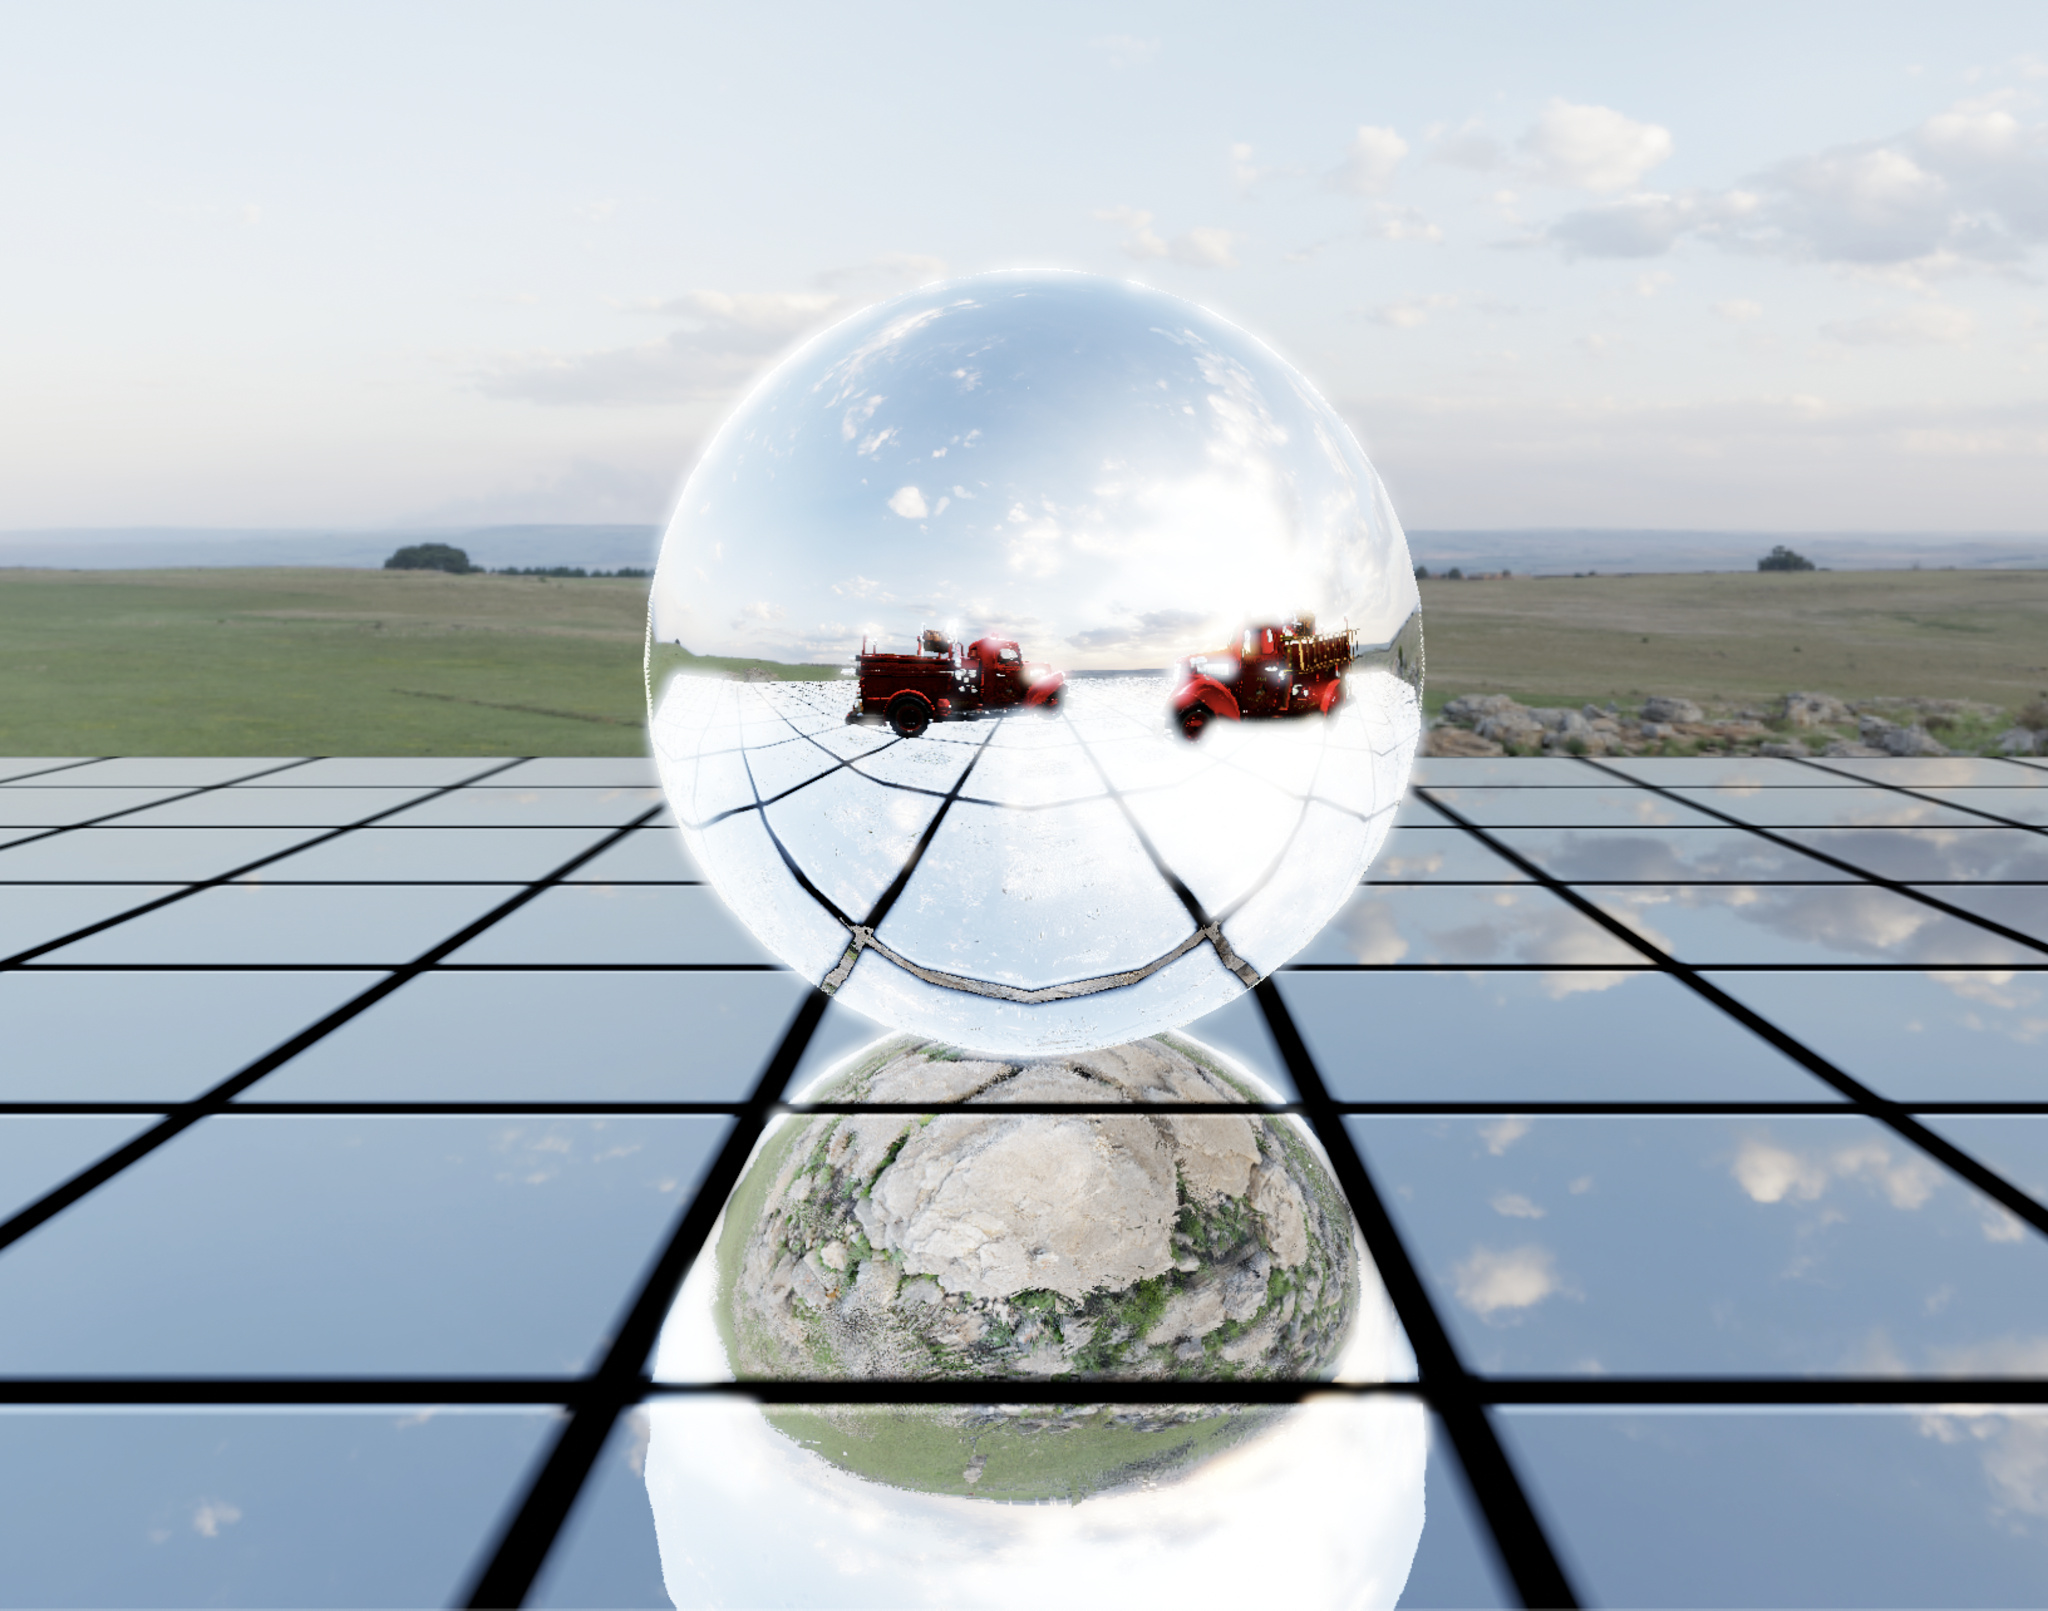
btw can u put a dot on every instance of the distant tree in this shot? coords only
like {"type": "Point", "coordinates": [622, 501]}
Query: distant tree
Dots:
{"type": "Point", "coordinates": [1782, 558]}
{"type": "Point", "coordinates": [1422, 573]}
{"type": "Point", "coordinates": [1455, 574]}
{"type": "Point", "coordinates": [430, 557]}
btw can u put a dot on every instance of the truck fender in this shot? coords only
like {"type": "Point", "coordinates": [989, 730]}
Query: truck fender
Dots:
{"type": "Point", "coordinates": [1220, 700]}
{"type": "Point", "coordinates": [1046, 692]}
{"type": "Point", "coordinates": [1332, 693]}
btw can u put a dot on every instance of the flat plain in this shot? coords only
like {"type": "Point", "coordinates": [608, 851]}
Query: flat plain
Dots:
{"type": "Point", "coordinates": [304, 661]}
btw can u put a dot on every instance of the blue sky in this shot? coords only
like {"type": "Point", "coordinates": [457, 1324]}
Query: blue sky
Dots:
{"type": "Point", "coordinates": [1729, 265]}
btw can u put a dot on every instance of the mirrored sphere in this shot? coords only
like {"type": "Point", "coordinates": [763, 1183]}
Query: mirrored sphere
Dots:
{"type": "Point", "coordinates": [976, 1243]}
{"type": "Point", "coordinates": [1034, 661]}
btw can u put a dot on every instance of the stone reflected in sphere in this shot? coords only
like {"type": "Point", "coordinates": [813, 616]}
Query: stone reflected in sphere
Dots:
{"type": "Point", "coordinates": [1091, 479]}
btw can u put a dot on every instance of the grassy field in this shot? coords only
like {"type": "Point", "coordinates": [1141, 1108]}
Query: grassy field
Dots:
{"type": "Point", "coordinates": [359, 662]}
{"type": "Point", "coordinates": [1743, 638]}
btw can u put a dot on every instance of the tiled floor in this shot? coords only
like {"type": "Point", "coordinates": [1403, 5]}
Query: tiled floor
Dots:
{"type": "Point", "coordinates": [359, 1120]}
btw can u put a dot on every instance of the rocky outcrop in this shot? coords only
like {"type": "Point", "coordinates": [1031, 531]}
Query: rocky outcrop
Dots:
{"type": "Point", "coordinates": [977, 1241]}
{"type": "Point", "coordinates": [1802, 725]}
{"type": "Point", "coordinates": [1815, 710]}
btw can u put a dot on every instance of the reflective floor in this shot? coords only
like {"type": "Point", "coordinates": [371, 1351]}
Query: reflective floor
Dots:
{"type": "Point", "coordinates": [360, 1121]}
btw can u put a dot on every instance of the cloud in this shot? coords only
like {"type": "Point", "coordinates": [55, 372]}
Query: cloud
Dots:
{"type": "Point", "coordinates": [210, 1516]}
{"type": "Point", "coordinates": [1200, 247]}
{"type": "Point", "coordinates": [1769, 1173]}
{"type": "Point", "coordinates": [1520, 1278]}
{"type": "Point", "coordinates": [1513, 1205]}
{"type": "Point", "coordinates": [1369, 165]}
{"type": "Point", "coordinates": [1591, 148]}
{"type": "Point", "coordinates": [1503, 1133]}
{"type": "Point", "coordinates": [1738, 310]}
{"type": "Point", "coordinates": [1391, 223]}
{"type": "Point", "coordinates": [909, 503]}
{"type": "Point", "coordinates": [1246, 176]}
{"type": "Point", "coordinates": [721, 340]}
{"type": "Point", "coordinates": [1934, 325]}
{"type": "Point", "coordinates": [1965, 188]}
{"type": "Point", "coordinates": [1407, 315]}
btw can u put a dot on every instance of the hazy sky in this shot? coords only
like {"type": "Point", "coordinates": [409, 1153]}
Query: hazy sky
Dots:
{"type": "Point", "coordinates": [1729, 264]}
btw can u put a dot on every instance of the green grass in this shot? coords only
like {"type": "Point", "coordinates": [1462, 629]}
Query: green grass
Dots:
{"type": "Point", "coordinates": [1744, 638]}
{"type": "Point", "coordinates": [302, 661]}
{"type": "Point", "coordinates": [296, 661]}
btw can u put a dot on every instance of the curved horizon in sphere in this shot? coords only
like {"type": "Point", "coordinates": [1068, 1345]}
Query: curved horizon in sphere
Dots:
{"type": "Point", "coordinates": [990, 1504]}
{"type": "Point", "coordinates": [970, 539]}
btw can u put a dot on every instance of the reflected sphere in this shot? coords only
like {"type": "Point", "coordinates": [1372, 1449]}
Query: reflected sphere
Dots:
{"type": "Point", "coordinates": [1034, 662]}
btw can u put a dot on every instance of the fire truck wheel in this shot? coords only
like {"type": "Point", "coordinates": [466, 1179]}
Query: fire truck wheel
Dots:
{"type": "Point", "coordinates": [909, 715]}
{"type": "Point", "coordinates": [1050, 705]}
{"type": "Point", "coordinates": [1194, 719]}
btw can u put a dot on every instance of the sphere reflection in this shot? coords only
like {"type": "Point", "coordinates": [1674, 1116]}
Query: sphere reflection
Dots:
{"type": "Point", "coordinates": [981, 1243]}
{"type": "Point", "coordinates": [953, 545]}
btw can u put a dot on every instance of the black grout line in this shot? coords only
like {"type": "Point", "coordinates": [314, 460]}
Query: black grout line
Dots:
{"type": "Point", "coordinates": [68, 766]}
{"type": "Point", "coordinates": [220, 879]}
{"type": "Point", "coordinates": [1590, 1107]}
{"type": "Point", "coordinates": [1864, 875]}
{"type": "Point", "coordinates": [515, 1560]}
{"type": "Point", "coordinates": [1894, 1115]}
{"type": "Point", "coordinates": [1912, 793]}
{"type": "Point", "coordinates": [53, 830]}
{"type": "Point", "coordinates": [1518, 1538]}
{"type": "Point", "coordinates": [216, 1100]}
{"type": "Point", "coordinates": [1587, 1392]}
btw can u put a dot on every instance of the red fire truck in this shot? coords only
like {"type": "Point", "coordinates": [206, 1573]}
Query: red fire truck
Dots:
{"type": "Point", "coordinates": [1268, 670]}
{"type": "Point", "coordinates": [946, 681]}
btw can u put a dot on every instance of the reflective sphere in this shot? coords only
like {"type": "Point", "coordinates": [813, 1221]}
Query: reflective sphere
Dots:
{"type": "Point", "coordinates": [1034, 661]}
{"type": "Point", "coordinates": [975, 1243]}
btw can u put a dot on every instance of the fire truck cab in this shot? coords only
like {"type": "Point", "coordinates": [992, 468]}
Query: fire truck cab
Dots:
{"type": "Point", "coordinates": [1271, 669]}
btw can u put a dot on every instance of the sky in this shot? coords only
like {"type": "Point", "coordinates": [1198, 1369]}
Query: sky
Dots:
{"type": "Point", "coordinates": [1702, 266]}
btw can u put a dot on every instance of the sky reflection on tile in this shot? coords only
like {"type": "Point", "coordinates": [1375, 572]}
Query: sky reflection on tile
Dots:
{"type": "Point", "coordinates": [1776, 924]}
{"type": "Point", "coordinates": [1671, 1246]}
{"type": "Point", "coordinates": [1382, 925]}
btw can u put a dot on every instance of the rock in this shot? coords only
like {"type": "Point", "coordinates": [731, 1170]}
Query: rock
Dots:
{"type": "Point", "coordinates": [1784, 750]}
{"type": "Point", "coordinates": [1816, 710]}
{"type": "Point", "coordinates": [1038, 1244]}
{"type": "Point", "coordinates": [1891, 739]}
{"type": "Point", "coordinates": [2018, 741]}
{"type": "Point", "coordinates": [1654, 732]}
{"type": "Point", "coordinates": [1663, 709]}
{"type": "Point", "coordinates": [1469, 708]}
{"type": "Point", "coordinates": [1193, 1313]}
{"type": "Point", "coordinates": [1843, 748]}
{"type": "Point", "coordinates": [1458, 741]}
{"type": "Point", "coordinates": [1515, 725]}
{"type": "Point", "coordinates": [995, 1206]}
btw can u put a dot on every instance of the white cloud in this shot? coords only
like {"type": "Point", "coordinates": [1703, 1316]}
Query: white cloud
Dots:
{"type": "Point", "coordinates": [721, 340]}
{"type": "Point", "coordinates": [1520, 1278]}
{"type": "Point", "coordinates": [1513, 1205]}
{"type": "Point", "coordinates": [1503, 1133]}
{"type": "Point", "coordinates": [909, 503]}
{"type": "Point", "coordinates": [1200, 247]}
{"type": "Point", "coordinates": [1929, 326]}
{"type": "Point", "coordinates": [211, 1515]}
{"type": "Point", "coordinates": [1368, 167]}
{"type": "Point", "coordinates": [1591, 148]}
{"type": "Point", "coordinates": [1738, 310]}
{"type": "Point", "coordinates": [1769, 1173]}
{"type": "Point", "coordinates": [1391, 223]}
{"type": "Point", "coordinates": [1967, 187]}
{"type": "Point", "coordinates": [1246, 176]}
{"type": "Point", "coordinates": [1416, 310]}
